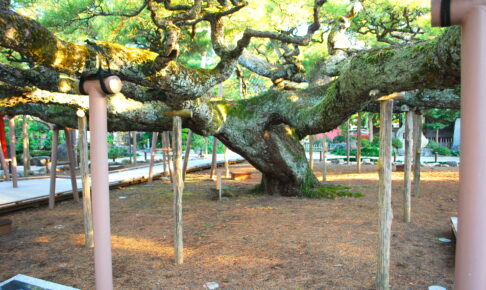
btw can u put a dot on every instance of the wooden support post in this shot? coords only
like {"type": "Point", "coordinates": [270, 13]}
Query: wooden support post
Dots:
{"type": "Point", "coordinates": [164, 154]}
{"type": "Point", "coordinates": [178, 185]}
{"type": "Point", "coordinates": [155, 135]}
{"type": "Point", "coordinates": [25, 145]}
{"type": "Point", "coordinates": [358, 143]}
{"type": "Point", "coordinates": [13, 156]}
{"type": "Point", "coordinates": [385, 209]}
{"type": "Point", "coordinates": [72, 165]}
{"type": "Point", "coordinates": [407, 207]}
{"type": "Point", "coordinates": [52, 189]}
{"type": "Point", "coordinates": [206, 143]}
{"type": "Point", "coordinates": [324, 158]}
{"type": "Point", "coordinates": [134, 147]}
{"type": "Point", "coordinates": [370, 127]}
{"type": "Point", "coordinates": [226, 163]}
{"type": "Point", "coordinates": [417, 145]}
{"type": "Point", "coordinates": [348, 145]}
{"type": "Point", "coordinates": [187, 155]}
{"type": "Point", "coordinates": [4, 163]}
{"type": "Point", "coordinates": [219, 186]}
{"type": "Point", "coordinates": [214, 159]}
{"type": "Point", "coordinates": [311, 152]}
{"type": "Point", "coordinates": [84, 168]}
{"type": "Point", "coordinates": [169, 155]}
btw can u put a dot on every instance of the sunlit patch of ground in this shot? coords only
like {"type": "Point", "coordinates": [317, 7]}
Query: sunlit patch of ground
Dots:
{"type": "Point", "coordinates": [245, 241]}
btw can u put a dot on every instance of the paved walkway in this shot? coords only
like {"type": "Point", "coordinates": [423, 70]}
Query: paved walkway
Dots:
{"type": "Point", "coordinates": [33, 189]}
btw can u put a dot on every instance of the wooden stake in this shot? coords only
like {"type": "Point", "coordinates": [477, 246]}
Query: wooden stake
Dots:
{"type": "Point", "coordinates": [4, 163]}
{"type": "Point", "coordinates": [407, 207]}
{"type": "Point", "coordinates": [52, 189]}
{"type": "Point", "coordinates": [324, 158]}
{"type": "Point", "coordinates": [134, 147]}
{"type": "Point", "coordinates": [214, 159]}
{"type": "Point", "coordinates": [417, 145]}
{"type": "Point", "coordinates": [25, 143]}
{"type": "Point", "coordinates": [358, 143]}
{"type": "Point", "coordinates": [169, 155]}
{"type": "Point", "coordinates": [164, 154]}
{"type": "Point", "coordinates": [348, 145]}
{"type": "Point", "coordinates": [178, 185]}
{"type": "Point", "coordinates": [72, 165]}
{"type": "Point", "coordinates": [370, 127]}
{"type": "Point", "coordinates": [311, 152]}
{"type": "Point", "coordinates": [226, 163]}
{"type": "Point", "coordinates": [155, 135]}
{"type": "Point", "coordinates": [385, 210]}
{"type": "Point", "coordinates": [84, 168]}
{"type": "Point", "coordinates": [219, 186]}
{"type": "Point", "coordinates": [13, 156]}
{"type": "Point", "coordinates": [187, 155]}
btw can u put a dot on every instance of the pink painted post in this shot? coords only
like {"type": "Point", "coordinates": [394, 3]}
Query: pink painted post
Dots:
{"type": "Point", "coordinates": [99, 178]}
{"type": "Point", "coordinates": [471, 237]}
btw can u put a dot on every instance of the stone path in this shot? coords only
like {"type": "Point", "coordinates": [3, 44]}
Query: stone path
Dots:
{"type": "Point", "coordinates": [38, 188]}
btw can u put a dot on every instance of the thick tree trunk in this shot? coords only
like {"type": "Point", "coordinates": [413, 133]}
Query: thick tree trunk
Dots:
{"type": "Point", "coordinates": [277, 153]}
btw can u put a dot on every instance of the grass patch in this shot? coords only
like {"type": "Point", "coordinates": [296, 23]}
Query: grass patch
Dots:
{"type": "Point", "coordinates": [332, 192]}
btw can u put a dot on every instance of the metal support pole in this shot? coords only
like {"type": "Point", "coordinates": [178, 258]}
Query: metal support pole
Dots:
{"type": "Point", "coordinates": [99, 178]}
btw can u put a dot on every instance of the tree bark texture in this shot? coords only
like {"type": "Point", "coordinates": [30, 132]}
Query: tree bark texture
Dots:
{"type": "Point", "coordinates": [178, 185]}
{"type": "Point", "coordinates": [417, 145]}
{"type": "Point", "coordinates": [384, 196]}
{"type": "Point", "coordinates": [187, 155]}
{"type": "Point", "coordinates": [72, 166]}
{"type": "Point", "coordinates": [52, 190]}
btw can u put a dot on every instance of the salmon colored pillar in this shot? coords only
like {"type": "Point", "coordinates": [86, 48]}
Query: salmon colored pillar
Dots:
{"type": "Point", "coordinates": [471, 238]}
{"type": "Point", "coordinates": [471, 241]}
{"type": "Point", "coordinates": [99, 178]}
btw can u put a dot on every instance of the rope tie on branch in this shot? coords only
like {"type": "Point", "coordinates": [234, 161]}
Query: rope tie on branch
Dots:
{"type": "Point", "coordinates": [101, 74]}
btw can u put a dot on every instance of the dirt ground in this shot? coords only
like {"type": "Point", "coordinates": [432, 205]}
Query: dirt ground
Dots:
{"type": "Point", "coordinates": [246, 241]}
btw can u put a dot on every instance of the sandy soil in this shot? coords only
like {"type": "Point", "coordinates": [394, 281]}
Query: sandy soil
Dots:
{"type": "Point", "coordinates": [245, 241]}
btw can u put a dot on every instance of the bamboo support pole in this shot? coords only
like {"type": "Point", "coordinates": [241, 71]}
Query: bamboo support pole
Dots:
{"type": "Point", "coordinates": [178, 186]}
{"type": "Point", "coordinates": [407, 201]}
{"type": "Point", "coordinates": [25, 146]}
{"type": "Point", "coordinates": [84, 168]}
{"type": "Point", "coordinates": [53, 173]}
{"type": "Point", "coordinates": [187, 154]}
{"type": "Point", "coordinates": [155, 135]}
{"type": "Point", "coordinates": [72, 166]}
{"type": "Point", "coordinates": [385, 209]}
{"type": "Point", "coordinates": [13, 156]}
